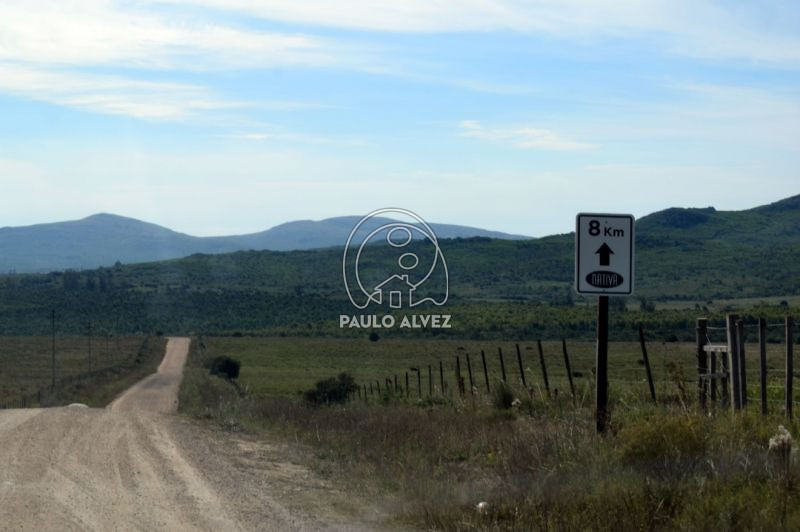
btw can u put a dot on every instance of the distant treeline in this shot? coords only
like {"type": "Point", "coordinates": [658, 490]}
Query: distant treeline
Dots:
{"type": "Point", "coordinates": [26, 306]}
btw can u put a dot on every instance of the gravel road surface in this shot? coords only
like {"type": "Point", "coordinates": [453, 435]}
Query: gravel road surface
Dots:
{"type": "Point", "coordinates": [135, 465]}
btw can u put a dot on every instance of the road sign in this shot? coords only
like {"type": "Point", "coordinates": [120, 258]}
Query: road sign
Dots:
{"type": "Point", "coordinates": [604, 254]}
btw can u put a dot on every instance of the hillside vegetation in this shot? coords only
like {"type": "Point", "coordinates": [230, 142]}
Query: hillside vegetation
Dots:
{"type": "Point", "coordinates": [498, 287]}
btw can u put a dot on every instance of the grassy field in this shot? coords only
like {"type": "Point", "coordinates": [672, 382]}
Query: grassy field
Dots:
{"type": "Point", "coordinates": [287, 366]}
{"type": "Point", "coordinates": [539, 465]}
{"type": "Point", "coordinates": [116, 363]}
{"type": "Point", "coordinates": [722, 304]}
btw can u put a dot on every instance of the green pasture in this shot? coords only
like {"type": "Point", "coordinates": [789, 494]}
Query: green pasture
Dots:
{"type": "Point", "coordinates": [284, 366]}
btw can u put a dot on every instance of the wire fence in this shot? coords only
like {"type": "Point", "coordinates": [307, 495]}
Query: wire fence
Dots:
{"type": "Point", "coordinates": [670, 369]}
{"type": "Point", "coordinates": [32, 376]}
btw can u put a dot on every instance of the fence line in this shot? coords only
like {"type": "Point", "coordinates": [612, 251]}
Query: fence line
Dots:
{"type": "Point", "coordinates": [44, 395]}
{"type": "Point", "coordinates": [670, 376]}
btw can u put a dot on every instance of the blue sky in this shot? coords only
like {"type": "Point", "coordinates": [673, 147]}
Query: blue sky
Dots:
{"type": "Point", "coordinates": [230, 116]}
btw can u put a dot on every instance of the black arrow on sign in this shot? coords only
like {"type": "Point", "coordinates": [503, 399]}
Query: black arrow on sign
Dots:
{"type": "Point", "coordinates": [605, 254]}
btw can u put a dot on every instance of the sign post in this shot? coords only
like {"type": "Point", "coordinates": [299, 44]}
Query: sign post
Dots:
{"type": "Point", "coordinates": [601, 363]}
{"type": "Point", "coordinates": [604, 267]}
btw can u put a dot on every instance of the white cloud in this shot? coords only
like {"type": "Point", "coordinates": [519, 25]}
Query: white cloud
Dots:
{"type": "Point", "coordinates": [697, 28]}
{"type": "Point", "coordinates": [107, 32]}
{"type": "Point", "coordinates": [47, 45]}
{"type": "Point", "coordinates": [524, 137]}
{"type": "Point", "coordinates": [114, 95]}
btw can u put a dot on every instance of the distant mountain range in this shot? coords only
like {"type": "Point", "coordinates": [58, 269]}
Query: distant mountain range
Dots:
{"type": "Point", "coordinates": [498, 287]}
{"type": "Point", "coordinates": [105, 239]}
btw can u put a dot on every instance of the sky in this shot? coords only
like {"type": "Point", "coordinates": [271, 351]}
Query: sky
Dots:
{"type": "Point", "coordinates": [216, 117]}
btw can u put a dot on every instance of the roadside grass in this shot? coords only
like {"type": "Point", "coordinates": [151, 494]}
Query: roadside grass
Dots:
{"type": "Point", "coordinates": [117, 363]}
{"type": "Point", "coordinates": [538, 465]}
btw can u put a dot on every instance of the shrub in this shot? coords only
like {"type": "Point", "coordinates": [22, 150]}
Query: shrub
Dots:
{"type": "Point", "coordinates": [502, 396]}
{"type": "Point", "coordinates": [667, 442]}
{"type": "Point", "coordinates": [331, 390]}
{"type": "Point", "coordinates": [224, 366]}
{"type": "Point", "coordinates": [373, 337]}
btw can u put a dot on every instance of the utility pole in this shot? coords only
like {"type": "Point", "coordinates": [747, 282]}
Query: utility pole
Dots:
{"type": "Point", "coordinates": [53, 351]}
{"type": "Point", "coordinates": [89, 344]}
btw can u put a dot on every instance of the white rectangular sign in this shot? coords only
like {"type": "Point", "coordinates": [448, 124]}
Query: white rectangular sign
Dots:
{"type": "Point", "coordinates": [604, 254]}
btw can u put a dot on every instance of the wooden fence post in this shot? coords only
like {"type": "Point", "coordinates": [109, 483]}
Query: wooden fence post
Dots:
{"type": "Point", "coordinates": [469, 371]}
{"type": "Point", "coordinates": [430, 380]}
{"type": "Point", "coordinates": [742, 361]}
{"type": "Point", "coordinates": [702, 359]}
{"type": "Point", "coordinates": [762, 362]}
{"type": "Point", "coordinates": [566, 365]}
{"type": "Point", "coordinates": [485, 372]}
{"type": "Point", "coordinates": [502, 363]}
{"type": "Point", "coordinates": [459, 379]}
{"type": "Point", "coordinates": [713, 384]}
{"type": "Point", "coordinates": [647, 365]}
{"type": "Point", "coordinates": [441, 376]}
{"type": "Point", "coordinates": [419, 383]}
{"type": "Point", "coordinates": [723, 361]}
{"type": "Point", "coordinates": [407, 386]}
{"type": "Point", "coordinates": [521, 369]}
{"type": "Point", "coordinates": [544, 368]}
{"type": "Point", "coordinates": [733, 363]}
{"type": "Point", "coordinates": [789, 329]}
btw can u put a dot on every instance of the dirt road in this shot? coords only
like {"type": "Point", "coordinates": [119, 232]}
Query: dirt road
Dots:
{"type": "Point", "coordinates": [133, 466]}
{"type": "Point", "coordinates": [157, 393]}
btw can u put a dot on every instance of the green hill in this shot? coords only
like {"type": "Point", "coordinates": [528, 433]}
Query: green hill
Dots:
{"type": "Point", "coordinates": [692, 254]}
{"type": "Point", "coordinates": [682, 254]}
